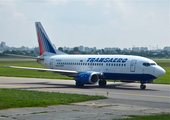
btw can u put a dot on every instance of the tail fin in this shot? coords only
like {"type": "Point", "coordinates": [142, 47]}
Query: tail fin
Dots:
{"type": "Point", "coordinates": [45, 44]}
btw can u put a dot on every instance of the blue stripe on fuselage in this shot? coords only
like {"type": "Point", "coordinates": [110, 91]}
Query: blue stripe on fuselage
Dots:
{"type": "Point", "coordinates": [124, 76]}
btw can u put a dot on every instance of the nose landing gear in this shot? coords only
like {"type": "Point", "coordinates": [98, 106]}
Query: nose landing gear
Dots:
{"type": "Point", "coordinates": [143, 86]}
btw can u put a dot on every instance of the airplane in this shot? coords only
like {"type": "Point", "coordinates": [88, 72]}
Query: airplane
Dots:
{"type": "Point", "coordinates": [92, 69]}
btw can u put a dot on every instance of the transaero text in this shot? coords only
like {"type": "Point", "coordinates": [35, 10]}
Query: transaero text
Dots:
{"type": "Point", "coordinates": [123, 60]}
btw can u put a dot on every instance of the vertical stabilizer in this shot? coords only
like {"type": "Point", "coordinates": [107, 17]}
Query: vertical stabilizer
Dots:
{"type": "Point", "coordinates": [45, 44]}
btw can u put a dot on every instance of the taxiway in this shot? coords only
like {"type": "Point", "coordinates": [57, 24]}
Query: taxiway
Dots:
{"type": "Point", "coordinates": [124, 98]}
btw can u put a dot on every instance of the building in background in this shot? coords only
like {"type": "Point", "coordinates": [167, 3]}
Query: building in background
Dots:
{"type": "Point", "coordinates": [135, 48]}
{"type": "Point", "coordinates": [167, 48]}
{"type": "Point", "coordinates": [144, 48]}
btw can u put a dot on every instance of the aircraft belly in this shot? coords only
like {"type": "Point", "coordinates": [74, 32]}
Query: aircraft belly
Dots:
{"type": "Point", "coordinates": [124, 76]}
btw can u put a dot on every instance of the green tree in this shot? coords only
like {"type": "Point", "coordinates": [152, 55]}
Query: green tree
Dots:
{"type": "Point", "coordinates": [76, 49]}
{"type": "Point", "coordinates": [60, 48]}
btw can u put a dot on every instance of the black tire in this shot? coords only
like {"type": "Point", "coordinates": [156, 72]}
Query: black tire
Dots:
{"type": "Point", "coordinates": [79, 84]}
{"type": "Point", "coordinates": [142, 87]}
{"type": "Point", "coordinates": [102, 83]}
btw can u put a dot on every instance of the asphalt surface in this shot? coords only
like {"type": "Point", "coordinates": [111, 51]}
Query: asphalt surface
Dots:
{"type": "Point", "coordinates": [124, 99]}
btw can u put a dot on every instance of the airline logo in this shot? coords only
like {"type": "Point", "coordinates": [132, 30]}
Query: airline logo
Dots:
{"type": "Point", "coordinates": [123, 60]}
{"type": "Point", "coordinates": [43, 40]}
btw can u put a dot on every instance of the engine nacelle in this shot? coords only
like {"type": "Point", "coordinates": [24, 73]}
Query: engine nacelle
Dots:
{"type": "Point", "coordinates": [87, 78]}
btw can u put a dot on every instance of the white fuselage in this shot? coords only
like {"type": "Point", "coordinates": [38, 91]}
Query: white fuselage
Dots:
{"type": "Point", "coordinates": [116, 67]}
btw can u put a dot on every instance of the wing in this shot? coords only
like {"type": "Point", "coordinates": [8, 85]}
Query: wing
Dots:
{"type": "Point", "coordinates": [37, 58]}
{"type": "Point", "coordinates": [63, 72]}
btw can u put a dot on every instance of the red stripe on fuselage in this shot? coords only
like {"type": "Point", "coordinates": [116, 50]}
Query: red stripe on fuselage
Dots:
{"type": "Point", "coordinates": [41, 48]}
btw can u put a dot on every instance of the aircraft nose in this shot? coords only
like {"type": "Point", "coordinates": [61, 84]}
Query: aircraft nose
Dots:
{"type": "Point", "coordinates": [159, 71]}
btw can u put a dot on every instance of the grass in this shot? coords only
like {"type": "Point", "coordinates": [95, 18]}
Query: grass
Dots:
{"type": "Point", "coordinates": [10, 72]}
{"type": "Point", "coordinates": [165, 79]}
{"type": "Point", "coordinates": [13, 98]}
{"type": "Point", "coordinates": [151, 117]}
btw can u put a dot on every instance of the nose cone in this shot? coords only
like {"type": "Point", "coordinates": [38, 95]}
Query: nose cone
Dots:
{"type": "Point", "coordinates": [159, 71]}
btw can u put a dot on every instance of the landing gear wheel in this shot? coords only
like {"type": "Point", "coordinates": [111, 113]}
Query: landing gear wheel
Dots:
{"type": "Point", "coordinates": [142, 87]}
{"type": "Point", "coordinates": [102, 83]}
{"type": "Point", "coordinates": [79, 84]}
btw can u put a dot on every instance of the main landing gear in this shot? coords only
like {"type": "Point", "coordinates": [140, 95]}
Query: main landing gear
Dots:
{"type": "Point", "coordinates": [79, 84]}
{"type": "Point", "coordinates": [102, 82]}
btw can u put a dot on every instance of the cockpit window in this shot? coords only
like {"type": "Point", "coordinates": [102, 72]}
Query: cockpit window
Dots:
{"type": "Point", "coordinates": [152, 63]}
{"type": "Point", "coordinates": [146, 64]}
{"type": "Point", "coordinates": [149, 64]}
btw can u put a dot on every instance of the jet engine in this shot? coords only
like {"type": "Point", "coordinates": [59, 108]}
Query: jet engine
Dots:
{"type": "Point", "coordinates": [87, 78]}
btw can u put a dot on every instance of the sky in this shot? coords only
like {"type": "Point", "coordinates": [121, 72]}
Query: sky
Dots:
{"type": "Point", "coordinates": [91, 23]}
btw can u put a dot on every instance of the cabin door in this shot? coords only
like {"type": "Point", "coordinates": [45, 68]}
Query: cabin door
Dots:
{"type": "Point", "coordinates": [133, 65]}
{"type": "Point", "coordinates": [51, 63]}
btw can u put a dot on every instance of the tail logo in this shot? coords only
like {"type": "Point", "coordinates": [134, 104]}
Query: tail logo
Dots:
{"type": "Point", "coordinates": [43, 40]}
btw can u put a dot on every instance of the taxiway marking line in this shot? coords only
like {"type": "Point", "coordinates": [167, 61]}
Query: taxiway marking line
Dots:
{"type": "Point", "coordinates": [109, 93]}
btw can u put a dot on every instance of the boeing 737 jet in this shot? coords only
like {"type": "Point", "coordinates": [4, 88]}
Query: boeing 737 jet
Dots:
{"type": "Point", "coordinates": [92, 69]}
